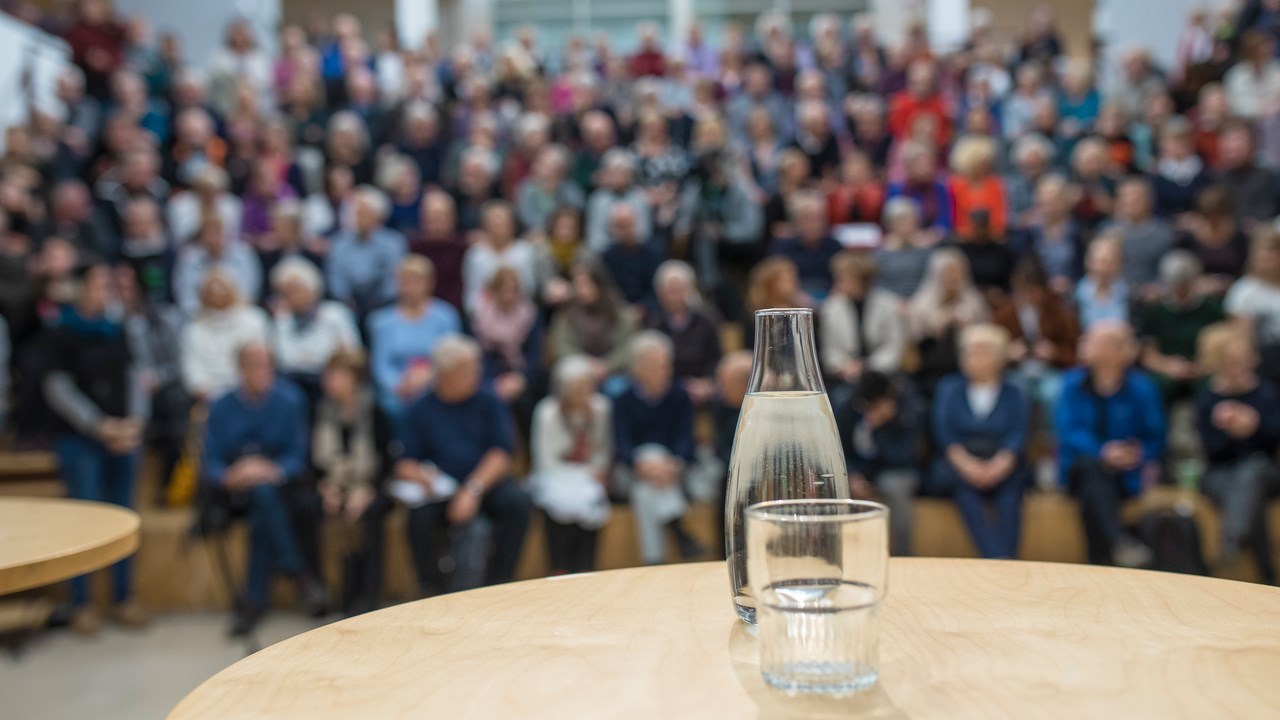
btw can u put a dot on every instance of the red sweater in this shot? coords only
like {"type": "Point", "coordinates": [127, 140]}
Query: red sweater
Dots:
{"type": "Point", "coordinates": [986, 194]}
{"type": "Point", "coordinates": [905, 108]}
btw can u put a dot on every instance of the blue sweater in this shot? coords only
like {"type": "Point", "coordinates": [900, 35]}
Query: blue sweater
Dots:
{"type": "Point", "coordinates": [813, 264]}
{"type": "Point", "coordinates": [954, 423]}
{"type": "Point", "coordinates": [1086, 421]}
{"type": "Point", "coordinates": [936, 206]}
{"type": "Point", "coordinates": [455, 436]}
{"type": "Point", "coordinates": [274, 427]}
{"type": "Point", "coordinates": [632, 269]}
{"type": "Point", "coordinates": [667, 421]}
{"type": "Point", "coordinates": [397, 341]}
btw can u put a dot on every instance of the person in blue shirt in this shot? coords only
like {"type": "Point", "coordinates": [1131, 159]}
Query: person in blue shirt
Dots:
{"type": "Point", "coordinates": [812, 248]}
{"type": "Point", "coordinates": [1111, 426]}
{"type": "Point", "coordinates": [980, 422]}
{"type": "Point", "coordinates": [456, 442]}
{"type": "Point", "coordinates": [937, 209]}
{"type": "Point", "coordinates": [360, 270]}
{"type": "Point", "coordinates": [402, 337]}
{"type": "Point", "coordinates": [255, 455]}
{"type": "Point", "coordinates": [653, 446]}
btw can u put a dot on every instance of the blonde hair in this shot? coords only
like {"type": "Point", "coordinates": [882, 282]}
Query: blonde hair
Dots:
{"type": "Point", "coordinates": [418, 265]}
{"type": "Point", "coordinates": [1266, 239]}
{"type": "Point", "coordinates": [852, 264]}
{"type": "Point", "coordinates": [972, 154]}
{"type": "Point", "coordinates": [986, 334]}
{"type": "Point", "coordinates": [1213, 342]}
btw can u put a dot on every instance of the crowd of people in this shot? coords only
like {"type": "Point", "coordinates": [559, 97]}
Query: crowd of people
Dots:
{"type": "Point", "coordinates": [498, 280]}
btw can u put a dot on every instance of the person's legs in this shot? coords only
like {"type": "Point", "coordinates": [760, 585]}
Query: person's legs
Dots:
{"type": "Point", "coordinates": [272, 544]}
{"type": "Point", "coordinates": [1006, 519]}
{"type": "Point", "coordinates": [507, 507]}
{"type": "Point", "coordinates": [559, 537]}
{"type": "Point", "coordinates": [469, 550]}
{"type": "Point", "coordinates": [976, 513]}
{"type": "Point", "coordinates": [119, 473]}
{"type": "Point", "coordinates": [81, 463]}
{"type": "Point", "coordinates": [1240, 490]}
{"type": "Point", "coordinates": [653, 550]}
{"type": "Point", "coordinates": [898, 489]}
{"type": "Point", "coordinates": [584, 551]}
{"type": "Point", "coordinates": [366, 562]}
{"type": "Point", "coordinates": [426, 537]}
{"type": "Point", "coordinates": [1098, 491]}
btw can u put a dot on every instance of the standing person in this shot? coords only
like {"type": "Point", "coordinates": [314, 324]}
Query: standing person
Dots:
{"type": "Point", "coordinates": [980, 423]}
{"type": "Point", "coordinates": [1111, 427]}
{"type": "Point", "coordinates": [572, 452]}
{"type": "Point", "coordinates": [457, 445]}
{"type": "Point", "coordinates": [1238, 417]}
{"type": "Point", "coordinates": [255, 460]}
{"type": "Point", "coordinates": [403, 337]}
{"type": "Point", "coordinates": [351, 450]}
{"type": "Point", "coordinates": [881, 427]}
{"type": "Point", "coordinates": [653, 439]}
{"type": "Point", "coordinates": [94, 387]}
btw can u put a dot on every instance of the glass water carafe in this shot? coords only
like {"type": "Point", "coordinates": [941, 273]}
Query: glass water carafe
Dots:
{"type": "Point", "coordinates": [786, 446]}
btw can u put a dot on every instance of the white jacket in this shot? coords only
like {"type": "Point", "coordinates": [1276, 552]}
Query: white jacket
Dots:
{"type": "Point", "coordinates": [885, 332]}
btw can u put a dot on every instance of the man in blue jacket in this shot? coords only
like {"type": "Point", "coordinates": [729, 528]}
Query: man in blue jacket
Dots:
{"type": "Point", "coordinates": [255, 451]}
{"type": "Point", "coordinates": [1111, 426]}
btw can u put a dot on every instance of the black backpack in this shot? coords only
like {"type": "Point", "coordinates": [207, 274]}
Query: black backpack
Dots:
{"type": "Point", "coordinates": [1174, 539]}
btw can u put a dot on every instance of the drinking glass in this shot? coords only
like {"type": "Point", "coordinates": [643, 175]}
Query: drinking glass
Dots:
{"type": "Point", "coordinates": [818, 571]}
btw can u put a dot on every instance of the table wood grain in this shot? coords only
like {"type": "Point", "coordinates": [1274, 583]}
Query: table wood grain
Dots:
{"type": "Point", "coordinates": [45, 540]}
{"type": "Point", "coordinates": [959, 639]}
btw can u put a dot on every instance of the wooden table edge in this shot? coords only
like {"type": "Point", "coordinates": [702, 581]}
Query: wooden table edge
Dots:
{"type": "Point", "coordinates": [75, 561]}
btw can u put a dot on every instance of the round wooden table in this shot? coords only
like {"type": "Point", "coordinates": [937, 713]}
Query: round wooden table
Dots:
{"type": "Point", "coordinates": [959, 639]}
{"type": "Point", "coordinates": [44, 540]}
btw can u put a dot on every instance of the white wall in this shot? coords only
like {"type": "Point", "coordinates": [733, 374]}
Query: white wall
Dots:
{"type": "Point", "coordinates": [1153, 24]}
{"type": "Point", "coordinates": [201, 24]}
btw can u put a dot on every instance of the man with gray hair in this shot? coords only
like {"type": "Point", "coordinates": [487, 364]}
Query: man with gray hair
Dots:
{"type": "Point", "coordinates": [360, 270]}
{"type": "Point", "coordinates": [1170, 325]}
{"type": "Point", "coordinates": [812, 248]}
{"type": "Point", "coordinates": [653, 445]}
{"type": "Point", "coordinates": [253, 461]}
{"type": "Point", "coordinates": [694, 335]}
{"type": "Point", "coordinates": [457, 446]}
{"type": "Point", "coordinates": [616, 180]}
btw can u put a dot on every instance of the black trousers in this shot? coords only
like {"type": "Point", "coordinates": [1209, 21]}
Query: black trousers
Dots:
{"type": "Point", "coordinates": [1099, 491]}
{"type": "Point", "coordinates": [570, 548]}
{"type": "Point", "coordinates": [505, 509]}
{"type": "Point", "coordinates": [362, 567]}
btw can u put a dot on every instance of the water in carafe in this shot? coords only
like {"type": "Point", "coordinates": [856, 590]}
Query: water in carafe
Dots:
{"type": "Point", "coordinates": [786, 445]}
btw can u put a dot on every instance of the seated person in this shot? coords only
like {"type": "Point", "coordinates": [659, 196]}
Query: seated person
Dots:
{"type": "Point", "coordinates": [630, 259]}
{"type": "Point", "coordinates": [903, 255]}
{"type": "Point", "coordinates": [1111, 426]}
{"type": "Point", "coordinates": [1103, 294]}
{"type": "Point", "coordinates": [861, 326]}
{"type": "Point", "coordinates": [1043, 331]}
{"type": "Point", "coordinates": [255, 459]}
{"type": "Point", "coordinates": [572, 453]}
{"type": "Point", "coordinates": [653, 442]}
{"type": "Point", "coordinates": [595, 321]}
{"type": "Point", "coordinates": [946, 303]}
{"type": "Point", "coordinates": [980, 424]}
{"type": "Point", "coordinates": [224, 323]}
{"type": "Point", "coordinates": [694, 334]}
{"type": "Point", "coordinates": [733, 376]}
{"type": "Point", "coordinates": [359, 268]}
{"type": "Point", "coordinates": [1170, 325]}
{"type": "Point", "coordinates": [1238, 416]}
{"type": "Point", "coordinates": [812, 247]}
{"type": "Point", "coordinates": [881, 427]}
{"type": "Point", "coordinates": [402, 337]}
{"type": "Point", "coordinates": [308, 328]}
{"type": "Point", "coordinates": [350, 449]}
{"type": "Point", "coordinates": [507, 325]}
{"type": "Point", "coordinates": [213, 247]}
{"type": "Point", "coordinates": [457, 445]}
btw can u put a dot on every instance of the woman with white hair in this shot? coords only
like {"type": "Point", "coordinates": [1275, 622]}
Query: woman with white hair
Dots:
{"type": "Point", "coordinates": [308, 328]}
{"type": "Point", "coordinates": [653, 438]}
{"type": "Point", "coordinates": [903, 255]}
{"type": "Point", "coordinates": [208, 197]}
{"type": "Point", "coordinates": [224, 323]}
{"type": "Point", "coordinates": [980, 422]}
{"type": "Point", "coordinates": [694, 334]}
{"type": "Point", "coordinates": [572, 453]}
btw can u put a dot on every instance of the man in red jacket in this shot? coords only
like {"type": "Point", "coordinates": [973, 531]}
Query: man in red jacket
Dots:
{"type": "Point", "coordinates": [920, 98]}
